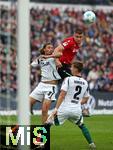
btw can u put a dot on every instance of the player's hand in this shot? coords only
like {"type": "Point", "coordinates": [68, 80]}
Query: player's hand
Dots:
{"type": "Point", "coordinates": [54, 113]}
{"type": "Point", "coordinates": [50, 119]}
{"type": "Point", "coordinates": [58, 64]}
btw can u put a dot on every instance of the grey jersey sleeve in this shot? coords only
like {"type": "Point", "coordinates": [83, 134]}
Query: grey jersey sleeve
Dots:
{"type": "Point", "coordinates": [65, 84]}
{"type": "Point", "coordinates": [35, 63]}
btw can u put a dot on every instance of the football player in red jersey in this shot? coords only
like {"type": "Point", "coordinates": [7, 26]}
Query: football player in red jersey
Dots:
{"type": "Point", "coordinates": [66, 52]}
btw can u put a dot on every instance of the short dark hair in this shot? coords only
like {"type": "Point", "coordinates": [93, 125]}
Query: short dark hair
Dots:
{"type": "Point", "coordinates": [43, 47]}
{"type": "Point", "coordinates": [78, 64]}
{"type": "Point", "coordinates": [79, 30]}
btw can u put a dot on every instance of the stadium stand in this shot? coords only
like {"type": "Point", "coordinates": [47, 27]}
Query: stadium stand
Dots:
{"type": "Point", "coordinates": [54, 25]}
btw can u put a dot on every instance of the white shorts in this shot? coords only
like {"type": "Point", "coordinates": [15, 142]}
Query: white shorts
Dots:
{"type": "Point", "coordinates": [69, 113]}
{"type": "Point", "coordinates": [44, 91]}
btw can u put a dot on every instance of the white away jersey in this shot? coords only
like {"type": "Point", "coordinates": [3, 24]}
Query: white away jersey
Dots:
{"type": "Point", "coordinates": [48, 69]}
{"type": "Point", "coordinates": [76, 88]}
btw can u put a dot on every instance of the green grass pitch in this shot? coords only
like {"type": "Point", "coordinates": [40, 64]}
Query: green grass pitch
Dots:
{"type": "Point", "coordinates": [69, 136]}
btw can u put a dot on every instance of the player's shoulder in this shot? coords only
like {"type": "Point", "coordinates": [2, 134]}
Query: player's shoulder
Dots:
{"type": "Point", "coordinates": [84, 81]}
{"type": "Point", "coordinates": [51, 59]}
{"type": "Point", "coordinates": [66, 80]}
{"type": "Point", "coordinates": [70, 79]}
{"type": "Point", "coordinates": [47, 59]}
{"type": "Point", "coordinates": [80, 79]}
{"type": "Point", "coordinates": [68, 42]}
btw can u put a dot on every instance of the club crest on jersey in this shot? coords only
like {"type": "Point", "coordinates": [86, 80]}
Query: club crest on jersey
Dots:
{"type": "Point", "coordinates": [65, 44]}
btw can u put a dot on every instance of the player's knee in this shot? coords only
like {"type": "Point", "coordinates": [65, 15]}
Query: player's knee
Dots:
{"type": "Point", "coordinates": [32, 101]}
{"type": "Point", "coordinates": [86, 113]}
{"type": "Point", "coordinates": [44, 111]}
{"type": "Point", "coordinates": [81, 125]}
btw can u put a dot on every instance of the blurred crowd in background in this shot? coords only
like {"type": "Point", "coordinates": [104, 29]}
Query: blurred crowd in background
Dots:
{"type": "Point", "coordinates": [83, 2]}
{"type": "Point", "coordinates": [53, 26]}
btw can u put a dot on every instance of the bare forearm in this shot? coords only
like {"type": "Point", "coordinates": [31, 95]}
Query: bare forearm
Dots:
{"type": "Point", "coordinates": [57, 54]}
{"type": "Point", "coordinates": [84, 100]}
{"type": "Point", "coordinates": [58, 51]}
{"type": "Point", "coordinates": [60, 99]}
{"type": "Point", "coordinates": [59, 102]}
{"type": "Point", "coordinates": [54, 55]}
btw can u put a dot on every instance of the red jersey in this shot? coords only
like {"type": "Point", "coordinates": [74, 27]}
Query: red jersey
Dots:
{"type": "Point", "coordinates": [70, 50]}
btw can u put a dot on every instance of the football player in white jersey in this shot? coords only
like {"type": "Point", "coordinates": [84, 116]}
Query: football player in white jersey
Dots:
{"type": "Point", "coordinates": [74, 93]}
{"type": "Point", "coordinates": [47, 88]}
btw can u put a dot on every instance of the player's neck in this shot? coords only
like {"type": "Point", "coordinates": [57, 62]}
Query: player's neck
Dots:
{"type": "Point", "coordinates": [77, 74]}
{"type": "Point", "coordinates": [79, 44]}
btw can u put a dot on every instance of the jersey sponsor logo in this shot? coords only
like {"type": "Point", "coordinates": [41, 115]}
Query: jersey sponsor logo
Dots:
{"type": "Point", "coordinates": [44, 63]}
{"type": "Point", "coordinates": [65, 43]}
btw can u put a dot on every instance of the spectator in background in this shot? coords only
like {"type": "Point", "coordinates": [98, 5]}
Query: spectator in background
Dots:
{"type": "Point", "coordinates": [55, 25]}
{"type": "Point", "coordinates": [92, 77]}
{"type": "Point", "coordinates": [110, 75]}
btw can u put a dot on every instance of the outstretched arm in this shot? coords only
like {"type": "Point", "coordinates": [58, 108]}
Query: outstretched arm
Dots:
{"type": "Point", "coordinates": [59, 102]}
{"type": "Point", "coordinates": [60, 98]}
{"type": "Point", "coordinates": [56, 54]}
{"type": "Point", "coordinates": [58, 51]}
